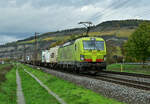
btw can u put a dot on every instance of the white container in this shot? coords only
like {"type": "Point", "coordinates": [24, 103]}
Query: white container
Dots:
{"type": "Point", "coordinates": [3, 62]}
{"type": "Point", "coordinates": [43, 56]}
{"type": "Point", "coordinates": [28, 58]}
{"type": "Point", "coordinates": [53, 54]}
{"type": "Point", "coordinates": [46, 56]}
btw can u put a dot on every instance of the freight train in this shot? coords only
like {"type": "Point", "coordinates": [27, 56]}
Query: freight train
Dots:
{"type": "Point", "coordinates": [86, 54]}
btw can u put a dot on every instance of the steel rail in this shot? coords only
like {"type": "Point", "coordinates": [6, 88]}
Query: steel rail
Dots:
{"type": "Point", "coordinates": [128, 74]}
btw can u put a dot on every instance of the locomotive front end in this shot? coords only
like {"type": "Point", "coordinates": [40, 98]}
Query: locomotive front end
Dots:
{"type": "Point", "coordinates": [93, 53]}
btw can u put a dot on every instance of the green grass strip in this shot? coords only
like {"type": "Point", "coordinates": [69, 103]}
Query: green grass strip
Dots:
{"type": "Point", "coordinates": [33, 92]}
{"type": "Point", "coordinates": [8, 88]}
{"type": "Point", "coordinates": [3, 66]}
{"type": "Point", "coordinates": [71, 93]}
{"type": "Point", "coordinates": [130, 68]}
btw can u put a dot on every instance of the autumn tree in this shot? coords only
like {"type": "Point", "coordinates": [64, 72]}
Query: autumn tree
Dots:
{"type": "Point", "coordinates": [138, 44]}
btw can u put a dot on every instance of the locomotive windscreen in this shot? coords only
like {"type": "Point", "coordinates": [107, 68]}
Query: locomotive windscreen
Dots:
{"type": "Point", "coordinates": [93, 45]}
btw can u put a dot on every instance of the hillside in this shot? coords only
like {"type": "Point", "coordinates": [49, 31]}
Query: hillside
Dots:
{"type": "Point", "coordinates": [115, 31]}
{"type": "Point", "coordinates": [118, 28]}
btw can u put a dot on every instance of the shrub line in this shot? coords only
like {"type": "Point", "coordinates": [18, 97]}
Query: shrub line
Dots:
{"type": "Point", "coordinates": [44, 86]}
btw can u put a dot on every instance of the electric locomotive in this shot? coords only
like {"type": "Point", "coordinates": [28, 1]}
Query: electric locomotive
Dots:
{"type": "Point", "coordinates": [87, 54]}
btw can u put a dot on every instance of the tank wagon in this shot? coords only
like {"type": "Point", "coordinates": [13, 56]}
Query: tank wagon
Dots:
{"type": "Point", "coordinates": [87, 54]}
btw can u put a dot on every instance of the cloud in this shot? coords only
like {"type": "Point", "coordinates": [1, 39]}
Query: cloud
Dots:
{"type": "Point", "coordinates": [25, 16]}
{"type": "Point", "coordinates": [21, 16]}
{"type": "Point", "coordinates": [30, 19]}
{"type": "Point", "coordinates": [50, 15]}
{"type": "Point", "coordinates": [5, 39]}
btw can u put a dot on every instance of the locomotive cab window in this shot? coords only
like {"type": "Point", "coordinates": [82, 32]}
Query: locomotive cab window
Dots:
{"type": "Point", "coordinates": [99, 45]}
{"type": "Point", "coordinates": [93, 45]}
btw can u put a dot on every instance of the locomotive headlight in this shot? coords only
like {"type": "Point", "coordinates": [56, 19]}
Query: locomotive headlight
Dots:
{"type": "Point", "coordinates": [82, 57]}
{"type": "Point", "coordinates": [105, 58]}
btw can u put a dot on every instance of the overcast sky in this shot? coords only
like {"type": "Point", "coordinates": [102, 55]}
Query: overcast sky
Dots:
{"type": "Point", "coordinates": [21, 18]}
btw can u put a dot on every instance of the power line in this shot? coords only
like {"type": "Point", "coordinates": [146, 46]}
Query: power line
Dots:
{"type": "Point", "coordinates": [113, 6]}
{"type": "Point", "coordinates": [115, 11]}
{"type": "Point", "coordinates": [118, 5]}
{"type": "Point", "coordinates": [105, 9]}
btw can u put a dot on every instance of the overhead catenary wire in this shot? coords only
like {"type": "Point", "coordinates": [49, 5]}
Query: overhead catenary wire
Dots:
{"type": "Point", "coordinates": [118, 5]}
{"type": "Point", "coordinates": [115, 11]}
{"type": "Point", "coordinates": [105, 9]}
{"type": "Point", "coordinates": [114, 5]}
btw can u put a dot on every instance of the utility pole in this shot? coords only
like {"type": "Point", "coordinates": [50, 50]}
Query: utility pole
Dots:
{"type": "Point", "coordinates": [24, 53]}
{"type": "Point", "coordinates": [87, 25]}
{"type": "Point", "coordinates": [35, 48]}
{"type": "Point", "coordinates": [12, 55]}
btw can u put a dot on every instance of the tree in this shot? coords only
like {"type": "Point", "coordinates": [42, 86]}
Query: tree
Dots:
{"type": "Point", "coordinates": [111, 50]}
{"type": "Point", "coordinates": [138, 44]}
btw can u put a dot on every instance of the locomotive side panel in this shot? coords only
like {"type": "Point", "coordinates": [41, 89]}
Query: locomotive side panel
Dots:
{"type": "Point", "coordinates": [66, 54]}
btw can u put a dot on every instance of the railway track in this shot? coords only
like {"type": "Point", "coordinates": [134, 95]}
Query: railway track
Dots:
{"type": "Point", "coordinates": [108, 77]}
{"type": "Point", "coordinates": [127, 74]}
{"type": "Point", "coordinates": [104, 76]}
{"type": "Point", "coordinates": [125, 82]}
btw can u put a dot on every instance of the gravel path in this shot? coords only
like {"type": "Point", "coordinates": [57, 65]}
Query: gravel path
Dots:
{"type": "Point", "coordinates": [122, 93]}
{"type": "Point", "coordinates": [20, 95]}
{"type": "Point", "coordinates": [61, 101]}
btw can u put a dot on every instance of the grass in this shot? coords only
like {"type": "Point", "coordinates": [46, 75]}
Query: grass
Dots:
{"type": "Point", "coordinates": [26, 42]}
{"type": "Point", "coordinates": [48, 39]}
{"type": "Point", "coordinates": [125, 32]}
{"type": "Point", "coordinates": [33, 92]}
{"type": "Point", "coordinates": [4, 69]}
{"type": "Point", "coordinates": [118, 33]}
{"type": "Point", "coordinates": [3, 66]}
{"type": "Point", "coordinates": [8, 88]}
{"type": "Point", "coordinates": [58, 38]}
{"type": "Point", "coordinates": [71, 93]}
{"type": "Point", "coordinates": [130, 68]}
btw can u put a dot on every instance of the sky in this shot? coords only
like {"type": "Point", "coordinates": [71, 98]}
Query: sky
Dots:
{"type": "Point", "coordinates": [19, 19]}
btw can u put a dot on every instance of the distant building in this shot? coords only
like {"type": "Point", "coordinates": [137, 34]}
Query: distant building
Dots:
{"type": "Point", "coordinates": [2, 62]}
